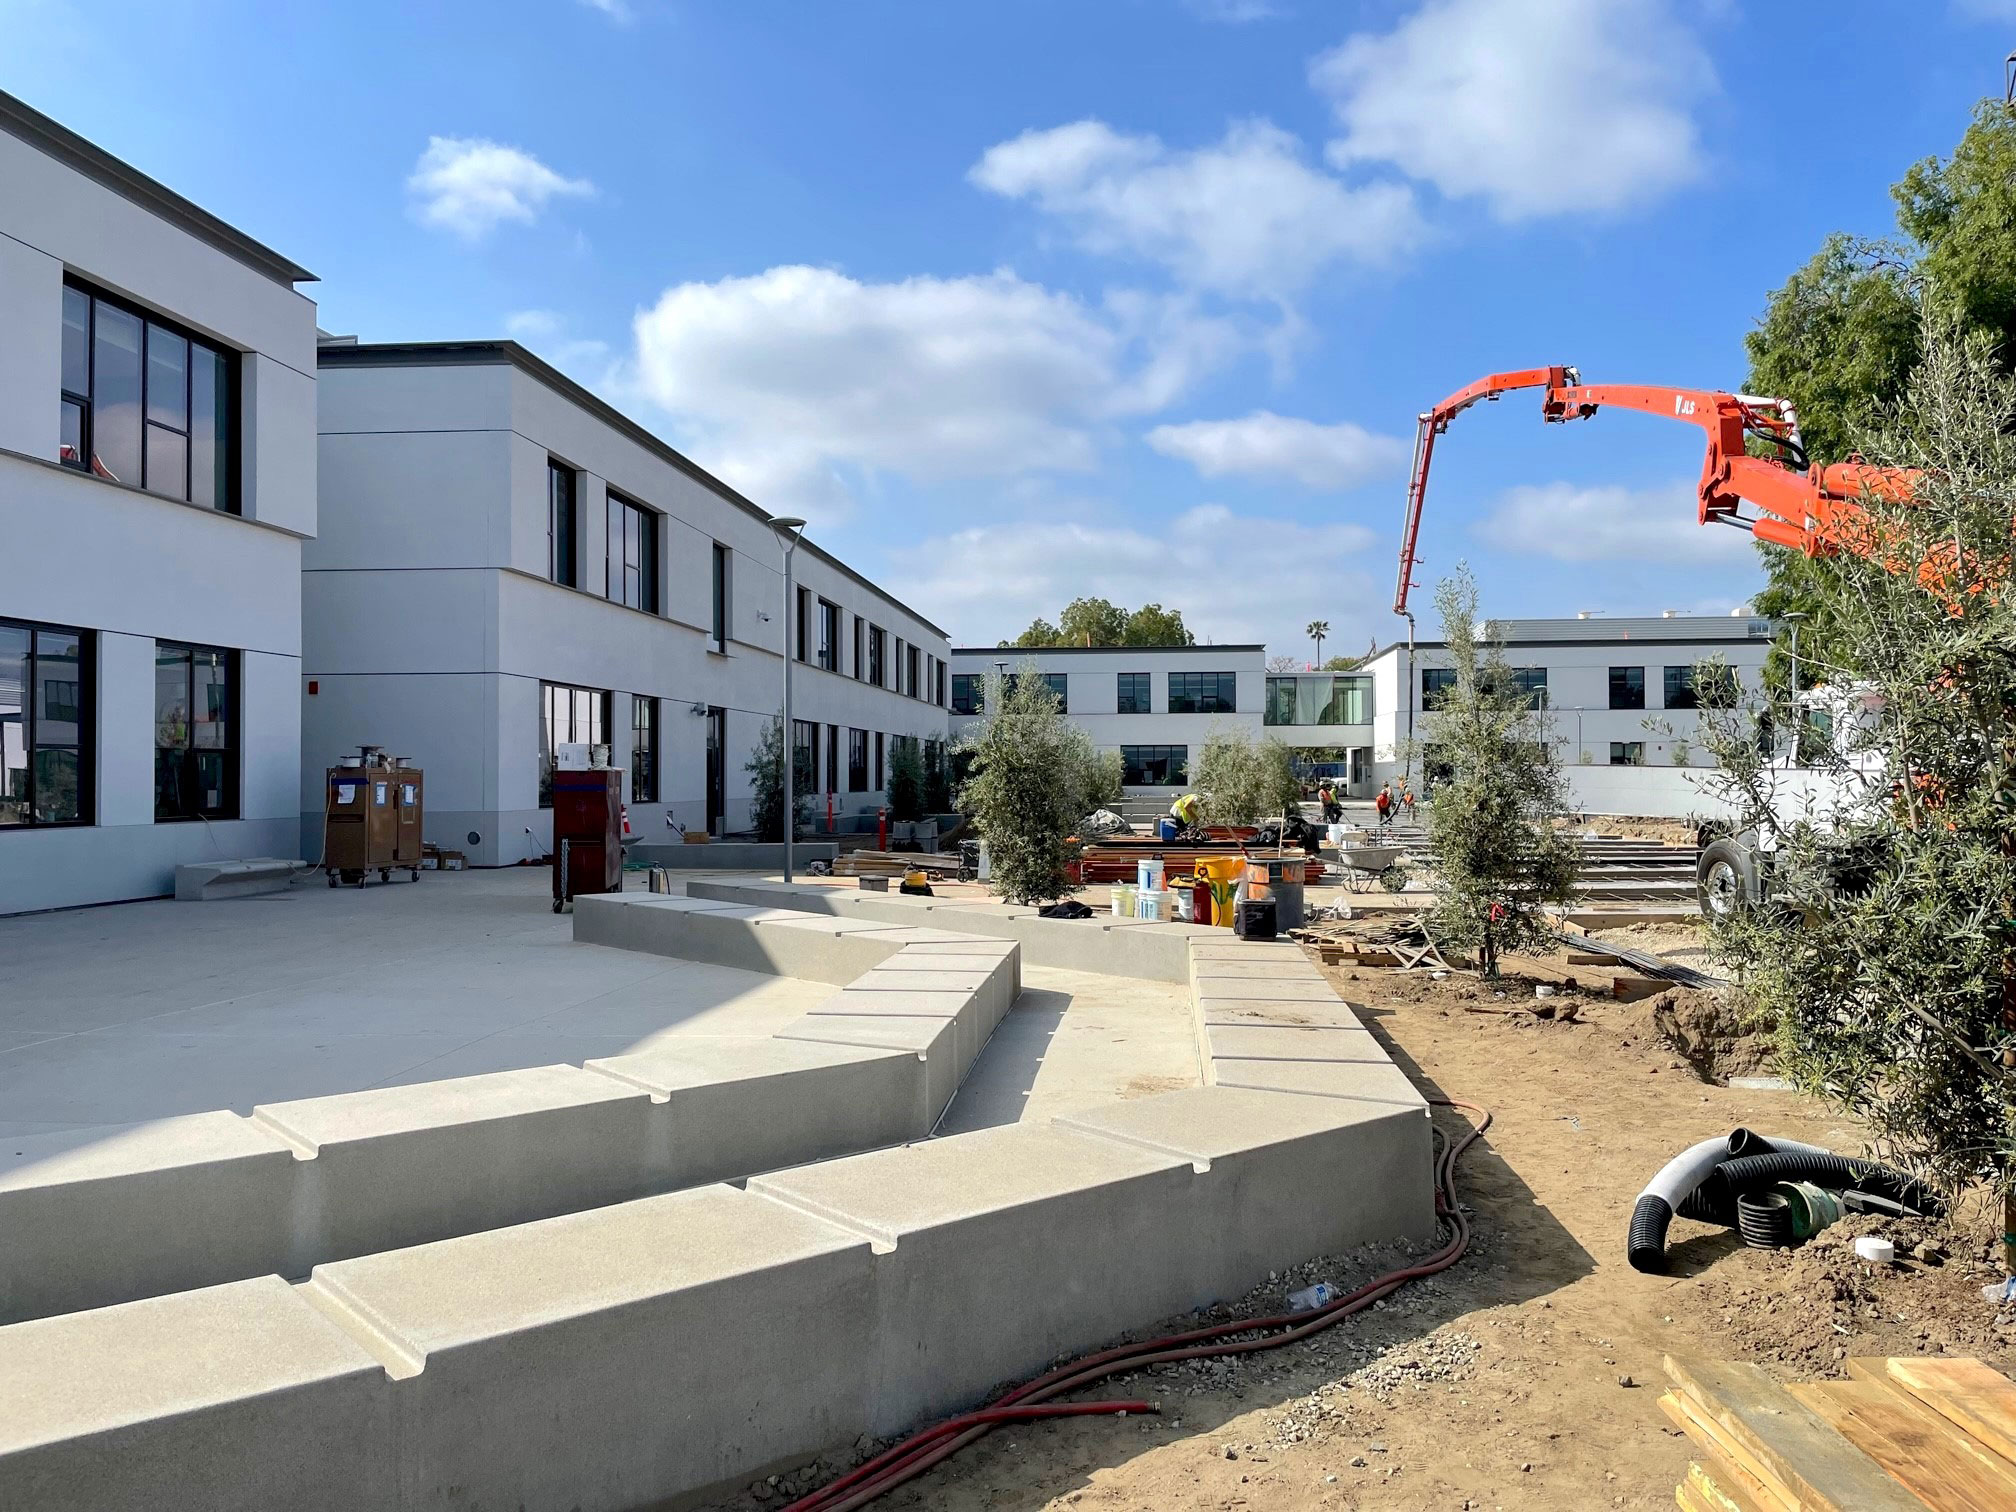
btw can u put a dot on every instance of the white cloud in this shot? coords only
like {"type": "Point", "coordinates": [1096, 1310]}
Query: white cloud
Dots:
{"type": "Point", "coordinates": [796, 378]}
{"type": "Point", "coordinates": [1541, 107]}
{"type": "Point", "coordinates": [1266, 445]}
{"type": "Point", "coordinates": [1249, 216]}
{"type": "Point", "coordinates": [616, 10]}
{"type": "Point", "coordinates": [470, 186]}
{"type": "Point", "coordinates": [1237, 578]}
{"type": "Point", "coordinates": [1604, 524]}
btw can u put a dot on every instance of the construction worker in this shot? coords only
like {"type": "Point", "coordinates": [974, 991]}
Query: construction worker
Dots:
{"type": "Point", "coordinates": [1384, 804]}
{"type": "Point", "coordinates": [1407, 800]}
{"type": "Point", "coordinates": [1185, 810]}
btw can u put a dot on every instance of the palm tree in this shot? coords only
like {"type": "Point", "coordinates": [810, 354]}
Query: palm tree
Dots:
{"type": "Point", "coordinates": [1316, 631]}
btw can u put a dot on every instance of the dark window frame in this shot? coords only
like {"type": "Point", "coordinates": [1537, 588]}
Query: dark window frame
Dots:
{"type": "Point", "coordinates": [1140, 763]}
{"type": "Point", "coordinates": [1630, 688]}
{"type": "Point", "coordinates": [1203, 693]}
{"type": "Point", "coordinates": [857, 761]}
{"type": "Point", "coordinates": [832, 773]}
{"type": "Point", "coordinates": [801, 629]}
{"type": "Point", "coordinates": [563, 523]}
{"type": "Point", "coordinates": [1437, 683]}
{"type": "Point", "coordinates": [644, 768]}
{"type": "Point", "coordinates": [722, 585]}
{"type": "Point", "coordinates": [804, 757]}
{"type": "Point", "coordinates": [1627, 753]}
{"type": "Point", "coordinates": [84, 403]}
{"type": "Point", "coordinates": [878, 662]}
{"type": "Point", "coordinates": [860, 649]}
{"type": "Point", "coordinates": [616, 554]}
{"type": "Point", "coordinates": [84, 698]}
{"type": "Point", "coordinates": [188, 778]}
{"type": "Point", "coordinates": [1134, 693]}
{"type": "Point", "coordinates": [828, 643]}
{"type": "Point", "coordinates": [599, 713]}
{"type": "Point", "coordinates": [879, 768]}
{"type": "Point", "coordinates": [971, 699]}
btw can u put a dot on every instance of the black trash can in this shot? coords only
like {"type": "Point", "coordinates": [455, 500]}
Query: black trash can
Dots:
{"type": "Point", "coordinates": [1254, 919]}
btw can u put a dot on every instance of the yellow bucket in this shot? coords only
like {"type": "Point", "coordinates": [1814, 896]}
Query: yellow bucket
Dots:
{"type": "Point", "coordinates": [1221, 874]}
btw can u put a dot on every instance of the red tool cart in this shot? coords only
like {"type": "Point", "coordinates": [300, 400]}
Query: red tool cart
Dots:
{"type": "Point", "coordinates": [587, 833]}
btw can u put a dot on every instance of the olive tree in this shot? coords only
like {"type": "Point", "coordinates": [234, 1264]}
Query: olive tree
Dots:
{"type": "Point", "coordinates": [1244, 780]}
{"type": "Point", "coordinates": [766, 784]}
{"type": "Point", "coordinates": [1500, 859]}
{"type": "Point", "coordinates": [1031, 772]}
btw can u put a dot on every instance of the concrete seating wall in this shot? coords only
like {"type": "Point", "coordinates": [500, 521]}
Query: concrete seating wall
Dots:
{"type": "Point", "coordinates": [100, 1217]}
{"type": "Point", "coordinates": [1102, 943]}
{"type": "Point", "coordinates": [650, 1352]}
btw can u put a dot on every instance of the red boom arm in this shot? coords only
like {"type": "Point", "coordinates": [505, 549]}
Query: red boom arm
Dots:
{"type": "Point", "coordinates": [1812, 509]}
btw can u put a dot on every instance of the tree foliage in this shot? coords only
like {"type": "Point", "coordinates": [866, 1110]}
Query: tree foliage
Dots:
{"type": "Point", "coordinates": [1098, 622]}
{"type": "Point", "coordinates": [1889, 965]}
{"type": "Point", "coordinates": [1499, 858]}
{"type": "Point", "coordinates": [1244, 780]}
{"type": "Point", "coordinates": [766, 785]}
{"type": "Point", "coordinates": [1030, 775]}
{"type": "Point", "coordinates": [1841, 337]}
{"type": "Point", "coordinates": [906, 778]}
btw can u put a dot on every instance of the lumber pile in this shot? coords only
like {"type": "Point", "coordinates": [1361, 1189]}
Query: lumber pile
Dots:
{"type": "Point", "coordinates": [1899, 1435]}
{"type": "Point", "coordinates": [874, 863]}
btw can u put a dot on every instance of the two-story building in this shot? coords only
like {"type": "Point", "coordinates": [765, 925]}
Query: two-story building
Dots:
{"type": "Point", "coordinates": [157, 479]}
{"type": "Point", "coordinates": [508, 564]}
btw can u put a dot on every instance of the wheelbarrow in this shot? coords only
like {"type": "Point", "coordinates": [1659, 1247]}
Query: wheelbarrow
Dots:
{"type": "Point", "coordinates": [1364, 865]}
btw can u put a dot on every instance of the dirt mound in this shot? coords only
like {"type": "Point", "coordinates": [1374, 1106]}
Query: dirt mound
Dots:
{"type": "Point", "coordinates": [1707, 1029]}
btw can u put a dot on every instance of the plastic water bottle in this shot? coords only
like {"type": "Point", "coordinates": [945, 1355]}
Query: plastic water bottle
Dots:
{"type": "Point", "coordinates": [1995, 1294]}
{"type": "Point", "coordinates": [1322, 1294]}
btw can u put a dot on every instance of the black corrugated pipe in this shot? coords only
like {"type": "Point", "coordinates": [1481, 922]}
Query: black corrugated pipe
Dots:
{"type": "Point", "coordinates": [1677, 1182]}
{"type": "Point", "coordinates": [1713, 1200]}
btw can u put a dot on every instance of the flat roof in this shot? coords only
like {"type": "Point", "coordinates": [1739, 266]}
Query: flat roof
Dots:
{"type": "Point", "coordinates": [370, 354]}
{"type": "Point", "coordinates": [18, 118]}
{"type": "Point", "coordinates": [995, 651]}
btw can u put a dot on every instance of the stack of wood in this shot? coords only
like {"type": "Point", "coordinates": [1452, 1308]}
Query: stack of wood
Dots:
{"type": "Point", "coordinates": [875, 863]}
{"type": "Point", "coordinates": [1899, 1435]}
{"type": "Point", "coordinates": [1105, 861]}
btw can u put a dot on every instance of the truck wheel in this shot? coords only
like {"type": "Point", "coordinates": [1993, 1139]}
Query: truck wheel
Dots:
{"type": "Point", "coordinates": [1725, 879]}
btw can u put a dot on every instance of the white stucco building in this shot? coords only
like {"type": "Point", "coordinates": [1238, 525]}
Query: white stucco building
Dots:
{"type": "Point", "coordinates": [508, 563]}
{"type": "Point", "coordinates": [157, 479]}
{"type": "Point", "coordinates": [1618, 692]}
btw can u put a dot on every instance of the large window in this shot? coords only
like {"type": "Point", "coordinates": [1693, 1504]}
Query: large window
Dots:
{"type": "Point", "coordinates": [1323, 699]}
{"type": "Point", "coordinates": [1532, 682]}
{"type": "Point", "coordinates": [1627, 753]}
{"type": "Point", "coordinates": [1437, 683]}
{"type": "Point", "coordinates": [912, 657]}
{"type": "Point", "coordinates": [45, 725]}
{"type": "Point", "coordinates": [1716, 689]}
{"type": "Point", "coordinates": [146, 403]}
{"type": "Point", "coordinates": [1134, 695]}
{"type": "Point", "coordinates": [1627, 688]}
{"type": "Point", "coordinates": [832, 758]}
{"type": "Point", "coordinates": [631, 576]}
{"type": "Point", "coordinates": [195, 732]}
{"type": "Point", "coordinates": [643, 750]}
{"type": "Point", "coordinates": [1154, 766]}
{"type": "Point", "coordinates": [966, 690]}
{"type": "Point", "coordinates": [718, 626]}
{"type": "Point", "coordinates": [1203, 693]}
{"type": "Point", "coordinates": [860, 651]}
{"type": "Point", "coordinates": [857, 761]}
{"type": "Point", "coordinates": [878, 641]}
{"type": "Point", "coordinates": [804, 757]}
{"type": "Point", "coordinates": [1058, 683]}
{"type": "Point", "coordinates": [829, 636]}
{"type": "Point", "coordinates": [570, 716]}
{"type": "Point", "coordinates": [801, 627]}
{"type": "Point", "coordinates": [560, 486]}
{"type": "Point", "coordinates": [878, 762]}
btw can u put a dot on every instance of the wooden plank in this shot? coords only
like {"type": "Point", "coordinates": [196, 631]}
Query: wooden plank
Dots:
{"type": "Point", "coordinates": [1798, 1449]}
{"type": "Point", "coordinates": [1708, 1492]}
{"type": "Point", "coordinates": [1976, 1397]}
{"type": "Point", "coordinates": [1941, 1466]}
{"type": "Point", "coordinates": [1731, 1467]}
{"type": "Point", "coordinates": [1593, 958]}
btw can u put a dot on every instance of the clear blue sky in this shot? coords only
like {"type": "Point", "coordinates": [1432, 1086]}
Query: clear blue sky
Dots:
{"type": "Point", "coordinates": [1128, 297]}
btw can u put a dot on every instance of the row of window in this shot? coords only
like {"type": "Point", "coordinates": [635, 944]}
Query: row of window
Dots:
{"type": "Point", "coordinates": [816, 640]}
{"type": "Point", "coordinates": [1627, 688]}
{"type": "Point", "coordinates": [1189, 692]}
{"type": "Point", "coordinates": [1321, 699]}
{"type": "Point", "coordinates": [145, 403]}
{"type": "Point", "coordinates": [47, 742]}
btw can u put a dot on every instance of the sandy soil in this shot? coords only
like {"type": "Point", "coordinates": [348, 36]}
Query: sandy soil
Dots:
{"type": "Point", "coordinates": [1526, 1376]}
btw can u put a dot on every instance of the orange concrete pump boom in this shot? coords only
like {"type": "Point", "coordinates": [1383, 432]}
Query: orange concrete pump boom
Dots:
{"type": "Point", "coordinates": [1802, 505]}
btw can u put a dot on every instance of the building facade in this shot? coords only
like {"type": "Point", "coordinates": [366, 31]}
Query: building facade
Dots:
{"type": "Point", "coordinates": [1617, 692]}
{"type": "Point", "coordinates": [157, 480]}
{"type": "Point", "coordinates": [507, 564]}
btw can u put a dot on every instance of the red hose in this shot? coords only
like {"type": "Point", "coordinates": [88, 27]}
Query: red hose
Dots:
{"type": "Point", "coordinates": [918, 1453]}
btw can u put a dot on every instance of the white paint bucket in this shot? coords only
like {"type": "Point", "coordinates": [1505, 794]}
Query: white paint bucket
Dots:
{"type": "Point", "coordinates": [1151, 903]}
{"type": "Point", "coordinates": [1149, 874]}
{"type": "Point", "coordinates": [1123, 901]}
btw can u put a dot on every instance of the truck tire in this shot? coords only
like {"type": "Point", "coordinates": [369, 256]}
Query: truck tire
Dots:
{"type": "Point", "coordinates": [1725, 880]}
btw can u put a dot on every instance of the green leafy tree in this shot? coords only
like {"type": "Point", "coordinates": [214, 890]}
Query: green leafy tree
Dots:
{"type": "Point", "coordinates": [1027, 778]}
{"type": "Point", "coordinates": [906, 779]}
{"type": "Point", "coordinates": [1318, 631]}
{"type": "Point", "coordinates": [1887, 959]}
{"type": "Point", "coordinates": [937, 779]}
{"type": "Point", "coordinates": [766, 784]}
{"type": "Point", "coordinates": [1244, 780]}
{"type": "Point", "coordinates": [1499, 858]}
{"type": "Point", "coordinates": [1091, 622]}
{"type": "Point", "coordinates": [1152, 625]}
{"type": "Point", "coordinates": [1098, 622]}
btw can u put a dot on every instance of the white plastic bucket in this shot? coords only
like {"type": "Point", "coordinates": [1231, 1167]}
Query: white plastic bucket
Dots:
{"type": "Point", "coordinates": [1123, 901]}
{"type": "Point", "coordinates": [1149, 874]}
{"type": "Point", "coordinates": [1151, 903]}
{"type": "Point", "coordinates": [1181, 902]}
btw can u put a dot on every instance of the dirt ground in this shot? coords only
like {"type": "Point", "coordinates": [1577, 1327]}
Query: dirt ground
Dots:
{"type": "Point", "coordinates": [1526, 1376]}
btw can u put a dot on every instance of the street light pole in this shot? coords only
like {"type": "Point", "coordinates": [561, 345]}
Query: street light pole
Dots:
{"type": "Point", "coordinates": [786, 528]}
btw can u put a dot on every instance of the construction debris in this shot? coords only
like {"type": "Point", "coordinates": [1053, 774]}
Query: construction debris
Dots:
{"type": "Point", "coordinates": [1899, 1435]}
